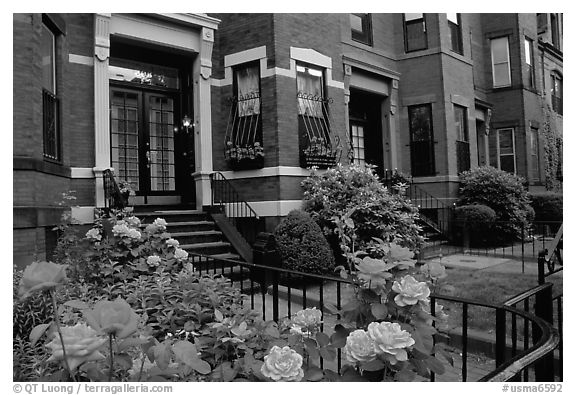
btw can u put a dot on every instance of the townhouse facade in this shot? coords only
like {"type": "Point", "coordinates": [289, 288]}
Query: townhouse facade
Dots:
{"type": "Point", "coordinates": [167, 99]}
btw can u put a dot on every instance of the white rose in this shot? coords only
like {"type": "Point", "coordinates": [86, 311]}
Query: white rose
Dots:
{"type": "Point", "coordinates": [410, 291]}
{"type": "Point", "coordinates": [283, 364]}
{"type": "Point", "coordinates": [180, 254]}
{"type": "Point", "coordinates": [391, 339]}
{"type": "Point", "coordinates": [153, 260]}
{"type": "Point", "coordinates": [359, 347]}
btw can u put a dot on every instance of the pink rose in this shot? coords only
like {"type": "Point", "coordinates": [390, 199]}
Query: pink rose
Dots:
{"type": "Point", "coordinates": [389, 338]}
{"type": "Point", "coordinates": [283, 364]}
{"type": "Point", "coordinates": [41, 275]}
{"type": "Point", "coordinates": [115, 318]}
{"type": "Point", "coordinates": [359, 347]}
{"type": "Point", "coordinates": [410, 291]}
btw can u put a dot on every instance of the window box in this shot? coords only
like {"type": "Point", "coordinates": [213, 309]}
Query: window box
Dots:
{"type": "Point", "coordinates": [246, 157]}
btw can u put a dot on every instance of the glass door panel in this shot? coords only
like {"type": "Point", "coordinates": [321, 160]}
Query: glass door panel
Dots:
{"type": "Point", "coordinates": [161, 143]}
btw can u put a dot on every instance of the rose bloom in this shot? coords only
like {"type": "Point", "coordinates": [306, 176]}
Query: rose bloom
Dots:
{"type": "Point", "coordinates": [391, 339]}
{"type": "Point", "coordinates": [410, 291]}
{"type": "Point", "coordinates": [179, 254]}
{"type": "Point", "coordinates": [399, 253]}
{"type": "Point", "coordinates": [94, 234]}
{"type": "Point", "coordinates": [41, 275]}
{"type": "Point", "coordinates": [133, 221]}
{"type": "Point", "coordinates": [283, 364]}
{"type": "Point", "coordinates": [160, 223]}
{"type": "Point", "coordinates": [115, 318]}
{"type": "Point", "coordinates": [81, 344]}
{"type": "Point", "coordinates": [134, 234]}
{"type": "Point", "coordinates": [153, 260]}
{"type": "Point", "coordinates": [306, 321]}
{"type": "Point", "coordinates": [374, 271]}
{"type": "Point", "coordinates": [120, 230]}
{"type": "Point", "coordinates": [434, 270]}
{"type": "Point", "coordinates": [173, 242]}
{"type": "Point", "coordinates": [359, 347]}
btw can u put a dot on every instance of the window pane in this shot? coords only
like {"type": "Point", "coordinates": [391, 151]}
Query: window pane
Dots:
{"type": "Point", "coordinates": [309, 85]}
{"type": "Point", "coordinates": [248, 90]}
{"type": "Point", "coordinates": [47, 54]}
{"type": "Point", "coordinates": [420, 123]}
{"type": "Point", "coordinates": [507, 163]}
{"type": "Point", "coordinates": [506, 142]}
{"type": "Point", "coordinates": [500, 50]}
{"type": "Point", "coordinates": [528, 51]}
{"type": "Point", "coordinates": [460, 122]}
{"type": "Point", "coordinates": [501, 74]}
{"type": "Point", "coordinates": [415, 35]}
{"type": "Point", "coordinates": [356, 22]}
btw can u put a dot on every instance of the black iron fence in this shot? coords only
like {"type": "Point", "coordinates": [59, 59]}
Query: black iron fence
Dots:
{"type": "Point", "coordinates": [279, 293]}
{"type": "Point", "coordinates": [113, 198]}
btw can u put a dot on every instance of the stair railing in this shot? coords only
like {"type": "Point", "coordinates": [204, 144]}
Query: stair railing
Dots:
{"type": "Point", "coordinates": [443, 215]}
{"type": "Point", "coordinates": [550, 257]}
{"type": "Point", "coordinates": [113, 198]}
{"type": "Point", "coordinates": [237, 210]}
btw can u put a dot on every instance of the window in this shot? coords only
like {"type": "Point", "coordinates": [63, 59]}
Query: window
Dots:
{"type": "Point", "coordinates": [455, 26]}
{"type": "Point", "coordinates": [415, 32]}
{"type": "Point", "coordinates": [556, 92]}
{"type": "Point", "coordinates": [529, 62]}
{"type": "Point", "coordinates": [555, 30]}
{"type": "Point", "coordinates": [462, 139]}
{"type": "Point", "coordinates": [361, 28]}
{"type": "Point", "coordinates": [421, 140]}
{"type": "Point", "coordinates": [244, 130]}
{"type": "Point", "coordinates": [500, 62]}
{"type": "Point", "coordinates": [316, 142]}
{"type": "Point", "coordinates": [357, 132]}
{"type": "Point", "coordinates": [503, 150]}
{"type": "Point", "coordinates": [50, 102]}
{"type": "Point", "coordinates": [535, 154]}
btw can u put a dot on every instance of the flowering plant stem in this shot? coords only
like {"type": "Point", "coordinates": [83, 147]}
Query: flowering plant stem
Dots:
{"type": "Point", "coordinates": [111, 373]}
{"type": "Point", "coordinates": [57, 323]}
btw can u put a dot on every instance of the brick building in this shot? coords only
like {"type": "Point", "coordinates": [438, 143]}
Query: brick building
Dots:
{"type": "Point", "coordinates": [166, 99]}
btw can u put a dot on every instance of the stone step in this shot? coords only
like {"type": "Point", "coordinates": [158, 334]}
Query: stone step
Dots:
{"type": "Point", "coordinates": [211, 248]}
{"type": "Point", "coordinates": [190, 226]}
{"type": "Point", "coordinates": [203, 236]}
{"type": "Point", "coordinates": [173, 216]}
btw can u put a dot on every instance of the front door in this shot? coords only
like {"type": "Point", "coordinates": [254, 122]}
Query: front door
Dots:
{"type": "Point", "coordinates": [143, 147]}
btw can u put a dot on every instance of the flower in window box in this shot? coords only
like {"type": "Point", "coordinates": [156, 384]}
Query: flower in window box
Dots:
{"type": "Point", "coordinates": [258, 149]}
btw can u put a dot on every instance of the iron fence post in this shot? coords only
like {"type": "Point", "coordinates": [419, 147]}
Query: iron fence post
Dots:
{"type": "Point", "coordinates": [544, 368]}
{"type": "Point", "coordinates": [500, 337]}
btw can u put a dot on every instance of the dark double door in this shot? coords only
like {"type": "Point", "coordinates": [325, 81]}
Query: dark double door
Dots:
{"type": "Point", "coordinates": [148, 149]}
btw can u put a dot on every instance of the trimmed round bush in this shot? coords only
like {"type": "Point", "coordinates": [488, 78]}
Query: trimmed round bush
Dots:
{"type": "Point", "coordinates": [503, 192]}
{"type": "Point", "coordinates": [548, 206]}
{"type": "Point", "coordinates": [302, 244]}
{"type": "Point", "coordinates": [475, 213]}
{"type": "Point", "coordinates": [477, 220]}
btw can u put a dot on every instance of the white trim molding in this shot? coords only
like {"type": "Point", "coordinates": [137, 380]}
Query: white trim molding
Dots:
{"type": "Point", "coordinates": [282, 171]}
{"type": "Point", "coordinates": [81, 172]}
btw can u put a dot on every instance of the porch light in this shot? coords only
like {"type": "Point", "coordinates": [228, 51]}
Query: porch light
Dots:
{"type": "Point", "coordinates": [187, 122]}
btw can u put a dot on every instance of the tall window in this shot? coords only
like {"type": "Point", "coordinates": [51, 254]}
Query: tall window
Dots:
{"type": "Point", "coordinates": [421, 140]}
{"type": "Point", "coordinates": [415, 37]}
{"type": "Point", "coordinates": [357, 132]}
{"type": "Point", "coordinates": [455, 26]}
{"type": "Point", "coordinates": [462, 139]}
{"type": "Point", "coordinates": [503, 150]}
{"type": "Point", "coordinates": [529, 62]}
{"type": "Point", "coordinates": [535, 154]}
{"type": "Point", "coordinates": [50, 102]}
{"type": "Point", "coordinates": [244, 131]}
{"type": "Point", "coordinates": [556, 92]}
{"type": "Point", "coordinates": [554, 24]}
{"type": "Point", "coordinates": [500, 62]}
{"type": "Point", "coordinates": [361, 27]}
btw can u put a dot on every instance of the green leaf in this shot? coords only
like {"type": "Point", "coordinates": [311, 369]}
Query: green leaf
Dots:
{"type": "Point", "coordinates": [369, 296]}
{"type": "Point", "coordinates": [322, 339]}
{"type": "Point", "coordinates": [338, 338]}
{"type": "Point", "coordinates": [218, 315]}
{"type": "Point", "coordinates": [37, 332]}
{"type": "Point", "coordinates": [405, 375]}
{"type": "Point", "coordinates": [447, 356]}
{"type": "Point", "coordinates": [311, 348]}
{"type": "Point", "coordinates": [162, 355]}
{"type": "Point", "coordinates": [313, 374]}
{"type": "Point", "coordinates": [131, 342]}
{"type": "Point", "coordinates": [272, 330]}
{"type": "Point", "coordinates": [379, 311]}
{"type": "Point", "coordinates": [351, 305]}
{"type": "Point", "coordinates": [421, 367]}
{"type": "Point", "coordinates": [224, 372]}
{"type": "Point", "coordinates": [328, 353]}
{"type": "Point", "coordinates": [435, 365]}
{"type": "Point", "coordinates": [123, 360]}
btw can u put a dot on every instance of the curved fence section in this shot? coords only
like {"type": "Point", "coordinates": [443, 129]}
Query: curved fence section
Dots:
{"type": "Point", "coordinates": [279, 293]}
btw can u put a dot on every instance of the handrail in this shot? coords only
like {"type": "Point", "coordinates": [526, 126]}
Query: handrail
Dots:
{"type": "Point", "coordinates": [231, 204]}
{"type": "Point", "coordinates": [425, 200]}
{"type": "Point", "coordinates": [546, 343]}
{"type": "Point", "coordinates": [546, 257]}
{"type": "Point", "coordinates": [113, 198]}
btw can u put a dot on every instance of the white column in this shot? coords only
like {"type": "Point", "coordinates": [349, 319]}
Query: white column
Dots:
{"type": "Point", "coordinates": [203, 119]}
{"type": "Point", "coordinates": [393, 117]}
{"type": "Point", "coordinates": [101, 102]}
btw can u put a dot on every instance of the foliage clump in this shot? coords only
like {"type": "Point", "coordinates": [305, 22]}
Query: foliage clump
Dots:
{"type": "Point", "coordinates": [302, 245]}
{"type": "Point", "coordinates": [477, 220]}
{"type": "Point", "coordinates": [357, 192]}
{"type": "Point", "coordinates": [503, 192]}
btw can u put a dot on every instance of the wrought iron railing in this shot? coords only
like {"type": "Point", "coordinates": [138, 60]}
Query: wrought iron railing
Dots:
{"type": "Point", "coordinates": [243, 139]}
{"type": "Point", "coordinates": [279, 293]}
{"type": "Point", "coordinates": [50, 126]}
{"type": "Point", "coordinates": [113, 198]}
{"type": "Point", "coordinates": [433, 212]}
{"type": "Point", "coordinates": [240, 214]}
{"type": "Point", "coordinates": [319, 143]}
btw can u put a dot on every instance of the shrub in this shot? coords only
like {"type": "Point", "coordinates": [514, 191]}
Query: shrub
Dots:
{"type": "Point", "coordinates": [548, 206]}
{"type": "Point", "coordinates": [478, 220]}
{"type": "Point", "coordinates": [302, 245]}
{"type": "Point", "coordinates": [375, 211]}
{"type": "Point", "coordinates": [501, 191]}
